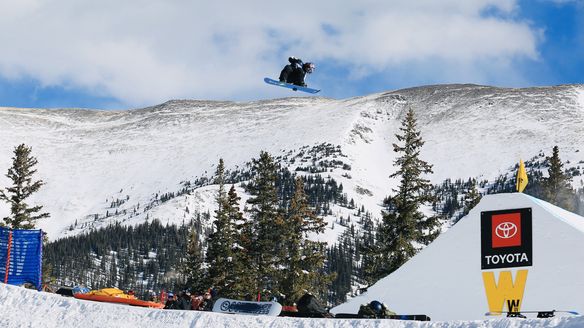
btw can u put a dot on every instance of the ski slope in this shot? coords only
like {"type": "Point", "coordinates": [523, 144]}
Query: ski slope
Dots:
{"type": "Point", "coordinates": [88, 158]}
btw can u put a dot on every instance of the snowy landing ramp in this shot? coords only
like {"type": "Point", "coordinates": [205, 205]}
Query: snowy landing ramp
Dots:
{"type": "Point", "coordinates": [448, 280]}
{"type": "Point", "coordinates": [27, 308]}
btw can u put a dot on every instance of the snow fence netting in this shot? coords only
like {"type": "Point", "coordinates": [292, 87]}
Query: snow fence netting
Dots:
{"type": "Point", "coordinates": [21, 256]}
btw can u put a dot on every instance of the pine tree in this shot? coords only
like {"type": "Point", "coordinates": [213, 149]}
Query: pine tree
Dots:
{"type": "Point", "coordinates": [219, 251]}
{"type": "Point", "coordinates": [192, 267]}
{"type": "Point", "coordinates": [369, 251]}
{"type": "Point", "coordinates": [266, 222]}
{"type": "Point", "coordinates": [472, 198]}
{"type": "Point", "coordinates": [404, 226]}
{"type": "Point", "coordinates": [22, 215]}
{"type": "Point", "coordinates": [557, 188]}
{"type": "Point", "coordinates": [242, 272]}
{"type": "Point", "coordinates": [304, 263]}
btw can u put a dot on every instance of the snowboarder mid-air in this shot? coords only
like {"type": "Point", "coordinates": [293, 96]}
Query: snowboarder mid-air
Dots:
{"type": "Point", "coordinates": [295, 72]}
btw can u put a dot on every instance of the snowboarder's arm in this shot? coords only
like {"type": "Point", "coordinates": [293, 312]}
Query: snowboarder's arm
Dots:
{"type": "Point", "coordinates": [293, 60]}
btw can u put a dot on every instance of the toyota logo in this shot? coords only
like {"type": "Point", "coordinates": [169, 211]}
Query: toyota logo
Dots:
{"type": "Point", "coordinates": [506, 230]}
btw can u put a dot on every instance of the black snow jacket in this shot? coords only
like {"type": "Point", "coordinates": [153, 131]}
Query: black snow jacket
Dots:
{"type": "Point", "coordinates": [308, 304]}
{"type": "Point", "coordinates": [293, 73]}
{"type": "Point", "coordinates": [184, 303]}
{"type": "Point", "coordinates": [171, 305]}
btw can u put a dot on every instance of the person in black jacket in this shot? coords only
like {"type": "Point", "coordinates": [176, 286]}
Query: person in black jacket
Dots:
{"type": "Point", "coordinates": [171, 303]}
{"type": "Point", "coordinates": [375, 309]}
{"type": "Point", "coordinates": [308, 306]}
{"type": "Point", "coordinates": [207, 304]}
{"type": "Point", "coordinates": [184, 301]}
{"type": "Point", "coordinates": [295, 72]}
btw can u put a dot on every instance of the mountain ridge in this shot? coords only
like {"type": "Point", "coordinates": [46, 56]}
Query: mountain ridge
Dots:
{"type": "Point", "coordinates": [90, 157]}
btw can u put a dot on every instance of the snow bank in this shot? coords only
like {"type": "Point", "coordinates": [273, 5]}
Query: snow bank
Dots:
{"type": "Point", "coordinates": [28, 308]}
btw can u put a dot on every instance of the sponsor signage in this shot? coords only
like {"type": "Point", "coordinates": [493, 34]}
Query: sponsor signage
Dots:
{"type": "Point", "coordinates": [505, 291]}
{"type": "Point", "coordinates": [506, 239]}
{"type": "Point", "coordinates": [225, 305]}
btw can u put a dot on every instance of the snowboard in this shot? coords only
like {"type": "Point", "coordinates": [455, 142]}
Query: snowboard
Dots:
{"type": "Point", "coordinates": [417, 317]}
{"type": "Point", "coordinates": [540, 314]}
{"type": "Point", "coordinates": [297, 314]}
{"type": "Point", "coordinates": [225, 305]}
{"type": "Point", "coordinates": [290, 86]}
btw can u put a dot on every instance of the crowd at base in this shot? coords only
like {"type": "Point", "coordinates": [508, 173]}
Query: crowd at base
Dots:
{"type": "Point", "coordinates": [184, 300]}
{"type": "Point", "coordinates": [307, 306]}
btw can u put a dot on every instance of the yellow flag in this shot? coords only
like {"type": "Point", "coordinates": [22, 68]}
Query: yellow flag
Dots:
{"type": "Point", "coordinates": [521, 177]}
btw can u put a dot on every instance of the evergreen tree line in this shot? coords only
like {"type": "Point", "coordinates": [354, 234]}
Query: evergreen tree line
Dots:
{"type": "Point", "coordinates": [554, 187]}
{"type": "Point", "coordinates": [143, 258]}
{"type": "Point", "coordinates": [548, 180]}
{"type": "Point", "coordinates": [454, 199]}
{"type": "Point", "coordinates": [196, 267]}
{"type": "Point", "coordinates": [267, 252]}
{"type": "Point", "coordinates": [321, 192]}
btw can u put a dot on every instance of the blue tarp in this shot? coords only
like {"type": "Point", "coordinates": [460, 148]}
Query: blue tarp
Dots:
{"type": "Point", "coordinates": [80, 290]}
{"type": "Point", "coordinates": [25, 262]}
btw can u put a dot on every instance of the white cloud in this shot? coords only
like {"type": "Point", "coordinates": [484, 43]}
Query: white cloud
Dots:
{"type": "Point", "coordinates": [145, 52]}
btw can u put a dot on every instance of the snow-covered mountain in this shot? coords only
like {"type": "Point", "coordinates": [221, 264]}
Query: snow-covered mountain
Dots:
{"type": "Point", "coordinates": [92, 158]}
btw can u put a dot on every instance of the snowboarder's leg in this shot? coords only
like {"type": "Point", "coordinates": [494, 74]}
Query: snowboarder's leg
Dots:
{"type": "Point", "coordinates": [285, 73]}
{"type": "Point", "coordinates": [296, 77]}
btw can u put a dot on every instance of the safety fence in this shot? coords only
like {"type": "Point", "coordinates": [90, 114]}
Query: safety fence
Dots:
{"type": "Point", "coordinates": [21, 253]}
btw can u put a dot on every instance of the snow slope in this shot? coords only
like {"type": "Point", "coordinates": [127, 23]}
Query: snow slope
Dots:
{"type": "Point", "coordinates": [88, 158]}
{"type": "Point", "coordinates": [27, 308]}
{"type": "Point", "coordinates": [445, 279]}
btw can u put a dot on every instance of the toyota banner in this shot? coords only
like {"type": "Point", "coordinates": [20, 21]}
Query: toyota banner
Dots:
{"type": "Point", "coordinates": [506, 239]}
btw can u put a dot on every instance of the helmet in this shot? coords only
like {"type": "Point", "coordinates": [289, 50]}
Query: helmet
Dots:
{"type": "Point", "coordinates": [376, 306]}
{"type": "Point", "coordinates": [308, 67]}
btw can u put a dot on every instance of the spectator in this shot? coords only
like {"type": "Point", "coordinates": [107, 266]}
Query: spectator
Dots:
{"type": "Point", "coordinates": [207, 304]}
{"type": "Point", "coordinates": [196, 302]}
{"type": "Point", "coordinates": [308, 305]}
{"type": "Point", "coordinates": [184, 302]}
{"type": "Point", "coordinates": [375, 309]}
{"type": "Point", "coordinates": [171, 303]}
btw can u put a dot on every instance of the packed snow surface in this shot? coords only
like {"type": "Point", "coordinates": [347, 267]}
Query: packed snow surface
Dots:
{"type": "Point", "coordinates": [28, 308]}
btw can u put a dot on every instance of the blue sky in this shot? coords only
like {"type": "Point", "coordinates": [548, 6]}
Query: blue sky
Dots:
{"type": "Point", "coordinates": [112, 55]}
